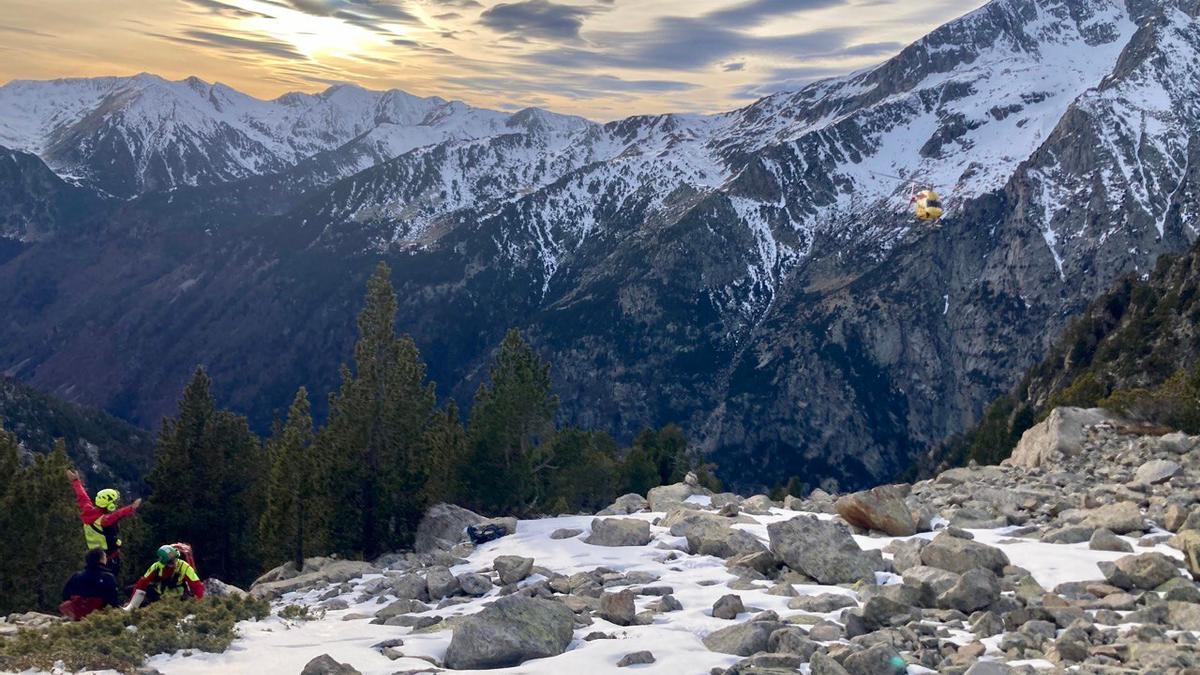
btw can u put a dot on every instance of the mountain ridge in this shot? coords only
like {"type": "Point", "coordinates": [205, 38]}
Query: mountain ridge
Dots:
{"type": "Point", "coordinates": [750, 275]}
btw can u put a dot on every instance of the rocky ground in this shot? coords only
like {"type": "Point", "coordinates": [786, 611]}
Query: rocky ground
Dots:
{"type": "Point", "coordinates": [1067, 557]}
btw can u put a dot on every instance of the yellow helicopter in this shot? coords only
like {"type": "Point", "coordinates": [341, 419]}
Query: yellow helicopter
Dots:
{"type": "Point", "coordinates": [926, 203]}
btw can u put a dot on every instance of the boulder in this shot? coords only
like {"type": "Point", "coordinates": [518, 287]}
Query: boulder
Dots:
{"type": "Point", "coordinates": [625, 505]}
{"type": "Point", "coordinates": [410, 586]}
{"type": "Point", "coordinates": [728, 607]}
{"type": "Point", "coordinates": [1061, 433]}
{"type": "Point", "coordinates": [929, 582]}
{"type": "Point", "coordinates": [822, 603]}
{"type": "Point", "coordinates": [881, 509]}
{"type": "Point", "coordinates": [219, 589]}
{"type": "Point", "coordinates": [441, 582]}
{"type": "Point", "coordinates": [975, 590]}
{"type": "Point", "coordinates": [509, 632]}
{"type": "Point", "coordinates": [1106, 540]}
{"type": "Point", "coordinates": [759, 505]}
{"type": "Point", "coordinates": [961, 555]}
{"type": "Point", "coordinates": [619, 532]}
{"type": "Point", "coordinates": [325, 665]}
{"type": "Point", "coordinates": [474, 584]}
{"type": "Point", "coordinates": [823, 664]}
{"type": "Point", "coordinates": [1145, 571]}
{"type": "Point", "coordinates": [636, 659]}
{"type": "Point", "coordinates": [710, 534]}
{"type": "Point", "coordinates": [1157, 471]}
{"type": "Point", "coordinates": [743, 639]}
{"type": "Point", "coordinates": [565, 533]}
{"type": "Point", "coordinates": [618, 608]}
{"type": "Point", "coordinates": [663, 497]}
{"type": "Point", "coordinates": [880, 659]}
{"type": "Point", "coordinates": [442, 527]}
{"type": "Point", "coordinates": [512, 568]}
{"type": "Point", "coordinates": [1120, 517]}
{"type": "Point", "coordinates": [792, 640]}
{"type": "Point", "coordinates": [822, 550]}
{"type": "Point", "coordinates": [402, 606]}
{"type": "Point", "coordinates": [328, 574]}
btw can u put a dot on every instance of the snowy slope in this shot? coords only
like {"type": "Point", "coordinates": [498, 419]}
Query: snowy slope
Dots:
{"type": "Point", "coordinates": [960, 110]}
{"type": "Point", "coordinates": [275, 645]}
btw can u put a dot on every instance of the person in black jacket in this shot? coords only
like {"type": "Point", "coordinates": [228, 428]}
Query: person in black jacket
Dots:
{"type": "Point", "coordinates": [92, 589]}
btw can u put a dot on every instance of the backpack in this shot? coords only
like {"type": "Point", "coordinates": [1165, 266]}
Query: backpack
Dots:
{"type": "Point", "coordinates": [489, 532]}
{"type": "Point", "coordinates": [186, 553]}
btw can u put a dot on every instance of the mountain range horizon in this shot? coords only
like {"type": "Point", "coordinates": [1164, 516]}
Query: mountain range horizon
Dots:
{"type": "Point", "coordinates": [754, 275]}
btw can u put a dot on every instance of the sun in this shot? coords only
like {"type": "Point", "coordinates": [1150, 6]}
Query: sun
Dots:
{"type": "Point", "coordinates": [317, 36]}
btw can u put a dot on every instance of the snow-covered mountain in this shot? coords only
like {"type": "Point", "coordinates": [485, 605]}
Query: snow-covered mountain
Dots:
{"type": "Point", "coordinates": [130, 135]}
{"type": "Point", "coordinates": [754, 275]}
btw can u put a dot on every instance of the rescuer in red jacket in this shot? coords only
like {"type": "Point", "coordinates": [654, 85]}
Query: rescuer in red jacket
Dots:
{"type": "Point", "coordinates": [101, 520]}
{"type": "Point", "coordinates": [171, 574]}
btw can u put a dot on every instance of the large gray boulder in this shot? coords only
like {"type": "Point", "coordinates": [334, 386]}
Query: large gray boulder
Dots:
{"type": "Point", "coordinates": [512, 568]}
{"type": "Point", "coordinates": [710, 534]}
{"type": "Point", "coordinates": [625, 505]}
{"type": "Point", "coordinates": [744, 639]}
{"type": "Point", "coordinates": [929, 582]}
{"type": "Point", "coordinates": [443, 526]}
{"type": "Point", "coordinates": [509, 632]}
{"type": "Point", "coordinates": [1119, 517]}
{"type": "Point", "coordinates": [326, 665]}
{"type": "Point", "coordinates": [822, 550]}
{"type": "Point", "coordinates": [1145, 571]}
{"type": "Point", "coordinates": [975, 590]}
{"type": "Point", "coordinates": [619, 532]}
{"type": "Point", "coordinates": [330, 572]}
{"type": "Point", "coordinates": [618, 608]}
{"type": "Point", "coordinates": [962, 555]}
{"type": "Point", "coordinates": [474, 584]}
{"type": "Point", "coordinates": [1157, 471]}
{"type": "Point", "coordinates": [881, 509]}
{"type": "Point", "coordinates": [1061, 433]}
{"type": "Point", "coordinates": [664, 497]}
{"type": "Point", "coordinates": [441, 582]}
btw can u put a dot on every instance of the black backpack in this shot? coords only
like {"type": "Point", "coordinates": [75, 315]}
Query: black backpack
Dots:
{"type": "Point", "coordinates": [489, 532]}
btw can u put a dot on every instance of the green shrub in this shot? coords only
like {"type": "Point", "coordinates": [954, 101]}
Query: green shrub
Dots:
{"type": "Point", "coordinates": [301, 613]}
{"type": "Point", "coordinates": [117, 640]}
{"type": "Point", "coordinates": [1174, 403]}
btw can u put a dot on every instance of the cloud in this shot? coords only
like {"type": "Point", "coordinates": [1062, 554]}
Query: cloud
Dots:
{"type": "Point", "coordinates": [368, 14]}
{"type": "Point", "coordinates": [678, 43]}
{"type": "Point", "coordinates": [539, 18]}
{"type": "Point", "coordinates": [758, 12]}
{"type": "Point", "coordinates": [733, 67]}
{"type": "Point", "coordinates": [225, 9]}
{"type": "Point", "coordinates": [239, 42]}
{"type": "Point", "coordinates": [25, 31]}
{"type": "Point", "coordinates": [420, 46]}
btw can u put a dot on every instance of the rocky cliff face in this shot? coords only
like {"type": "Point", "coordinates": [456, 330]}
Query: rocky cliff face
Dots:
{"type": "Point", "coordinates": [753, 275]}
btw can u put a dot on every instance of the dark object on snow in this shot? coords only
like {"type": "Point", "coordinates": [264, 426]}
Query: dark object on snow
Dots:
{"type": "Point", "coordinates": [92, 589]}
{"type": "Point", "coordinates": [486, 533]}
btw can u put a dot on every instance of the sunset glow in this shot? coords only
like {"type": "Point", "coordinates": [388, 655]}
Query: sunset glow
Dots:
{"type": "Point", "coordinates": [598, 58]}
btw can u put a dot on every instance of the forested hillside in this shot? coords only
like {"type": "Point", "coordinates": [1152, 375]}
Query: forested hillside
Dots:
{"type": "Point", "coordinates": [1135, 350]}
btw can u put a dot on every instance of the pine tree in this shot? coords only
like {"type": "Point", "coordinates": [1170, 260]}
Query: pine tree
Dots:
{"type": "Point", "coordinates": [40, 527]}
{"type": "Point", "coordinates": [639, 471]}
{"type": "Point", "coordinates": [54, 528]}
{"type": "Point", "coordinates": [376, 431]}
{"type": "Point", "coordinates": [294, 524]}
{"type": "Point", "coordinates": [511, 427]}
{"type": "Point", "coordinates": [206, 484]}
{"type": "Point", "coordinates": [585, 475]}
{"type": "Point", "coordinates": [446, 442]}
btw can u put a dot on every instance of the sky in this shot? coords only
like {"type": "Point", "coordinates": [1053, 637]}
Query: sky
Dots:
{"type": "Point", "coordinates": [602, 59]}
